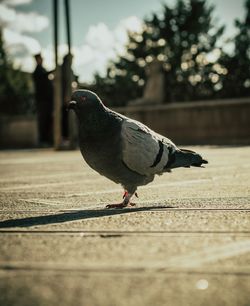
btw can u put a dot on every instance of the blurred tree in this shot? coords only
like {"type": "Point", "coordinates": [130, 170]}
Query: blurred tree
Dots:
{"type": "Point", "coordinates": [184, 39]}
{"type": "Point", "coordinates": [236, 83]}
{"type": "Point", "coordinates": [14, 89]}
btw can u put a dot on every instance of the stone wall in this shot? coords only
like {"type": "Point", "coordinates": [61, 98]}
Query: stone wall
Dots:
{"type": "Point", "coordinates": [18, 132]}
{"type": "Point", "coordinates": [220, 122]}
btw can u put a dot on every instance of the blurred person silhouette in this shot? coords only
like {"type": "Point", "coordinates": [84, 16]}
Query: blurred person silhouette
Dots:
{"type": "Point", "coordinates": [44, 102]}
{"type": "Point", "coordinates": [68, 78]}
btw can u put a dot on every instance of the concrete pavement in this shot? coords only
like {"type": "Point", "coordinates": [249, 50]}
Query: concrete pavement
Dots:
{"type": "Point", "coordinates": [187, 242]}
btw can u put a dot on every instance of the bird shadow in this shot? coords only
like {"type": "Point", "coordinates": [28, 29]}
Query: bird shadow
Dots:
{"type": "Point", "coordinates": [73, 216]}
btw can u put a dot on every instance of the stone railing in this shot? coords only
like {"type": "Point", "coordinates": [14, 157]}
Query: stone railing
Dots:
{"type": "Point", "coordinates": [219, 122]}
{"type": "Point", "coordinates": [18, 131]}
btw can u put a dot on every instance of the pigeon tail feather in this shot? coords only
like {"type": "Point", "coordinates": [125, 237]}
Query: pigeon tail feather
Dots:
{"type": "Point", "coordinates": [187, 158]}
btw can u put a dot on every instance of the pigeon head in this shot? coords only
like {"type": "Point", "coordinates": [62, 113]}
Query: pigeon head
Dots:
{"type": "Point", "coordinates": [85, 101]}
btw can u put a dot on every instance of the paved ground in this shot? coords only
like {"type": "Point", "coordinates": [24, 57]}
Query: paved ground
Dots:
{"type": "Point", "coordinates": [186, 243]}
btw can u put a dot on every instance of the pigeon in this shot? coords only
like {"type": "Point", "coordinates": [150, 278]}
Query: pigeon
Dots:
{"type": "Point", "coordinates": [122, 149]}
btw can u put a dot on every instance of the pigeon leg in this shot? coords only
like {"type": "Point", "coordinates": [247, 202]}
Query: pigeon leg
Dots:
{"type": "Point", "coordinates": [126, 202]}
{"type": "Point", "coordinates": [125, 194]}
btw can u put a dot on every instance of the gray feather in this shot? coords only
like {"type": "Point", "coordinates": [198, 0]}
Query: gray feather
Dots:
{"type": "Point", "coordinates": [186, 158]}
{"type": "Point", "coordinates": [141, 146]}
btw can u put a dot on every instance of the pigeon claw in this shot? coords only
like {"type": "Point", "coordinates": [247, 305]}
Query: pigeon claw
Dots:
{"type": "Point", "coordinates": [125, 203]}
{"type": "Point", "coordinates": [120, 205]}
{"type": "Point", "coordinates": [131, 204]}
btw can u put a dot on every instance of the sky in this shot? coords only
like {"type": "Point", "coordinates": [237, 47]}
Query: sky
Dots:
{"type": "Point", "coordinates": [98, 28]}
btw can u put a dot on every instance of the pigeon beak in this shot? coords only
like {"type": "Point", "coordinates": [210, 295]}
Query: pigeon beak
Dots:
{"type": "Point", "coordinates": [72, 105]}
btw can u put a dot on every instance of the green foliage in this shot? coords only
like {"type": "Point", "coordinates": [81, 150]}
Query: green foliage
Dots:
{"type": "Point", "coordinates": [236, 82]}
{"type": "Point", "coordinates": [184, 39]}
{"type": "Point", "coordinates": [14, 89]}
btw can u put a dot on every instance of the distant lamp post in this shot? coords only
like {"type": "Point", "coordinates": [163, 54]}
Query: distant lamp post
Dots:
{"type": "Point", "coordinates": [72, 129]}
{"type": "Point", "coordinates": [67, 15]}
{"type": "Point", "coordinates": [58, 99]}
{"type": "Point", "coordinates": [57, 84]}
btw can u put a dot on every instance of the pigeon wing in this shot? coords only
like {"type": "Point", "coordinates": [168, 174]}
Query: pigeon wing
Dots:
{"type": "Point", "coordinates": [143, 150]}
